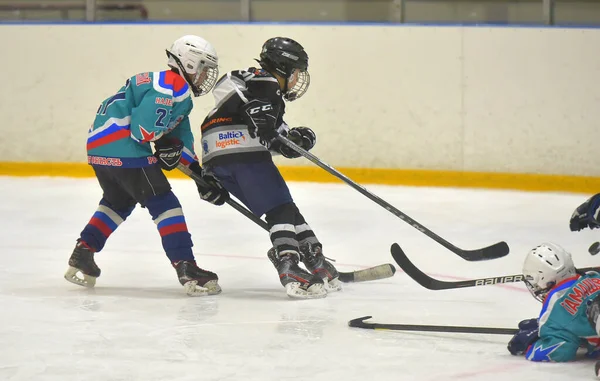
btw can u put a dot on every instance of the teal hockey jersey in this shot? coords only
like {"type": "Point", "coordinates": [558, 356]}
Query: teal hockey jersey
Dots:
{"type": "Point", "coordinates": [148, 107]}
{"type": "Point", "coordinates": [563, 323]}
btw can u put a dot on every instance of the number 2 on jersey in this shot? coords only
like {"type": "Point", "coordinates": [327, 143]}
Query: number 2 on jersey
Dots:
{"type": "Point", "coordinates": [162, 113]}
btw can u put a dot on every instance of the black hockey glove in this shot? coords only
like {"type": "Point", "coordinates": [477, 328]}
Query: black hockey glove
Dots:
{"type": "Point", "coordinates": [521, 341]}
{"type": "Point", "coordinates": [212, 191]}
{"type": "Point", "coordinates": [260, 118]}
{"type": "Point", "coordinates": [528, 324]}
{"type": "Point", "coordinates": [586, 215]}
{"type": "Point", "coordinates": [301, 136]}
{"type": "Point", "coordinates": [168, 152]}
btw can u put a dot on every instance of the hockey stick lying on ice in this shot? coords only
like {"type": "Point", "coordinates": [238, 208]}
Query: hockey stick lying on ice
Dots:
{"type": "Point", "coordinates": [433, 284]}
{"type": "Point", "coordinates": [360, 323]}
{"type": "Point", "coordinates": [496, 250]}
{"type": "Point", "coordinates": [371, 273]}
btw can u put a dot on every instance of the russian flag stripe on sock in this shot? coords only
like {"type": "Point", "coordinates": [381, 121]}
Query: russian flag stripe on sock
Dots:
{"type": "Point", "coordinates": [101, 225]}
{"type": "Point", "coordinates": [174, 228]}
{"type": "Point", "coordinates": [168, 214]}
{"type": "Point", "coordinates": [112, 225]}
{"type": "Point", "coordinates": [106, 220]}
{"type": "Point", "coordinates": [171, 221]}
{"type": "Point", "coordinates": [117, 219]}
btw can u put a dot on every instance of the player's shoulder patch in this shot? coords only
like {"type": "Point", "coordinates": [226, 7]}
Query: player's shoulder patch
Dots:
{"type": "Point", "coordinates": [259, 72]}
{"type": "Point", "coordinates": [142, 79]}
{"type": "Point", "coordinates": [252, 74]}
{"type": "Point", "coordinates": [169, 82]}
{"type": "Point", "coordinates": [260, 76]}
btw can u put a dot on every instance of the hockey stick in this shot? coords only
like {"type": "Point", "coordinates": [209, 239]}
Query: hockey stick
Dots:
{"type": "Point", "coordinates": [231, 202]}
{"type": "Point", "coordinates": [368, 274]}
{"type": "Point", "coordinates": [494, 251]}
{"type": "Point", "coordinates": [433, 284]}
{"type": "Point", "coordinates": [360, 323]}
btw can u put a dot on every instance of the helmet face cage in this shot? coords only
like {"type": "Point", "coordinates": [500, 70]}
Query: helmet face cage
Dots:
{"type": "Point", "coordinates": [538, 292]}
{"type": "Point", "coordinates": [205, 79]}
{"type": "Point", "coordinates": [299, 88]}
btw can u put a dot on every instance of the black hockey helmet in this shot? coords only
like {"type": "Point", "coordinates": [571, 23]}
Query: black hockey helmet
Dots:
{"type": "Point", "coordinates": [282, 55]}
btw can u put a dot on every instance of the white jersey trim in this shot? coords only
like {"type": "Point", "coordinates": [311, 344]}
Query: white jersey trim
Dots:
{"type": "Point", "coordinates": [557, 295]}
{"type": "Point", "coordinates": [126, 121]}
{"type": "Point", "coordinates": [156, 85]}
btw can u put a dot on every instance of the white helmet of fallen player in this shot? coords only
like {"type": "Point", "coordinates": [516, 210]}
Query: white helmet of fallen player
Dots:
{"type": "Point", "coordinates": [545, 266]}
{"type": "Point", "coordinates": [197, 62]}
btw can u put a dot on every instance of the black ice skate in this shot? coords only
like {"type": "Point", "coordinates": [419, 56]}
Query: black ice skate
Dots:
{"type": "Point", "coordinates": [82, 263]}
{"type": "Point", "coordinates": [196, 281]}
{"type": "Point", "coordinates": [316, 263]}
{"type": "Point", "coordinates": [298, 283]}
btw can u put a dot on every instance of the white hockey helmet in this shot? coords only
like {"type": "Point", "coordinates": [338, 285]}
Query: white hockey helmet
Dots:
{"type": "Point", "coordinates": [197, 62]}
{"type": "Point", "coordinates": [545, 266]}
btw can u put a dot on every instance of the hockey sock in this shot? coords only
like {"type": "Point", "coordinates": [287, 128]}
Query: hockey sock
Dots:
{"type": "Point", "coordinates": [282, 230]}
{"type": "Point", "coordinates": [168, 216]}
{"type": "Point", "coordinates": [102, 224]}
{"type": "Point", "coordinates": [304, 233]}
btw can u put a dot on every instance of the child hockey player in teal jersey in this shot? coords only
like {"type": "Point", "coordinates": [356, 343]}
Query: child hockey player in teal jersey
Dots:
{"type": "Point", "coordinates": [151, 107]}
{"type": "Point", "coordinates": [563, 325]}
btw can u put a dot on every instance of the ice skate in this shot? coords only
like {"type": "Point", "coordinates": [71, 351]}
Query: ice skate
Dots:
{"type": "Point", "coordinates": [82, 270]}
{"type": "Point", "coordinates": [196, 281]}
{"type": "Point", "coordinates": [298, 283]}
{"type": "Point", "coordinates": [316, 263]}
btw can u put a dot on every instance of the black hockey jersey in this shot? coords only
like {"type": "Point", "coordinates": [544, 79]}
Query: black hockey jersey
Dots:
{"type": "Point", "coordinates": [225, 137]}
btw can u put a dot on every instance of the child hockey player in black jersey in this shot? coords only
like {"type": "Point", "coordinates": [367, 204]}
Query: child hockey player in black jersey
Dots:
{"type": "Point", "coordinates": [238, 137]}
{"type": "Point", "coordinates": [152, 107]}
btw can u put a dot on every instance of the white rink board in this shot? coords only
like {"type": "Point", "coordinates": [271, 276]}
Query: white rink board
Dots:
{"type": "Point", "coordinates": [446, 98]}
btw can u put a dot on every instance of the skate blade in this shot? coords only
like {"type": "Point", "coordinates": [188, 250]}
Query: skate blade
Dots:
{"type": "Point", "coordinates": [72, 275]}
{"type": "Point", "coordinates": [213, 287]}
{"type": "Point", "coordinates": [209, 288]}
{"type": "Point", "coordinates": [332, 285]}
{"type": "Point", "coordinates": [316, 291]}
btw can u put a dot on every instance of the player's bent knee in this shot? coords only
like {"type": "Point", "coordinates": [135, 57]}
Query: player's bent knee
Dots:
{"type": "Point", "coordinates": [285, 213]}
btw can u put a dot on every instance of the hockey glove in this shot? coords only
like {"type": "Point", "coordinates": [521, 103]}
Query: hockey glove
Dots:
{"type": "Point", "coordinates": [528, 324]}
{"type": "Point", "coordinates": [211, 191]}
{"type": "Point", "coordinates": [586, 215]}
{"type": "Point", "coordinates": [521, 341]}
{"type": "Point", "coordinates": [168, 152]}
{"type": "Point", "coordinates": [301, 136]}
{"type": "Point", "coordinates": [260, 118]}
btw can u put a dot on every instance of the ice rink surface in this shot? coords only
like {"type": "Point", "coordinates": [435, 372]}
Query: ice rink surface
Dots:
{"type": "Point", "coordinates": [137, 324]}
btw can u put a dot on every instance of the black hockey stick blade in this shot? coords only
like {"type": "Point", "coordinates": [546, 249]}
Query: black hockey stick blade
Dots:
{"type": "Point", "coordinates": [360, 323]}
{"type": "Point", "coordinates": [372, 273]}
{"type": "Point", "coordinates": [434, 284]}
{"type": "Point", "coordinates": [497, 250]}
